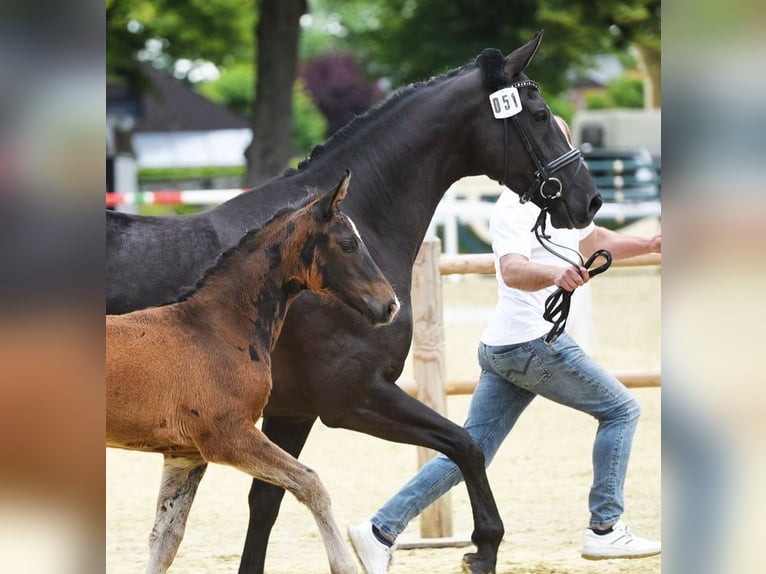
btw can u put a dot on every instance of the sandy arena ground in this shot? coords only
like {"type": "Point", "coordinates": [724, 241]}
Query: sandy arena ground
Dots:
{"type": "Point", "coordinates": [540, 477]}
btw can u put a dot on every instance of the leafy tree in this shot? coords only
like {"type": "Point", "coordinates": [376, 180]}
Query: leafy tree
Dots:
{"type": "Point", "coordinates": [235, 89]}
{"type": "Point", "coordinates": [277, 34]}
{"type": "Point", "coordinates": [597, 100]}
{"type": "Point", "coordinates": [409, 40]}
{"type": "Point", "coordinates": [310, 125]}
{"type": "Point", "coordinates": [337, 84]}
{"type": "Point", "coordinates": [627, 92]}
{"type": "Point", "coordinates": [219, 31]}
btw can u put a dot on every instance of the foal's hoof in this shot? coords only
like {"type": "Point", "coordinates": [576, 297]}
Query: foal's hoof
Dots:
{"type": "Point", "coordinates": [474, 564]}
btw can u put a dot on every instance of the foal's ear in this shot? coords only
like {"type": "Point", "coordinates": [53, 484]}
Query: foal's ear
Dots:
{"type": "Point", "coordinates": [331, 200]}
{"type": "Point", "coordinates": [520, 58]}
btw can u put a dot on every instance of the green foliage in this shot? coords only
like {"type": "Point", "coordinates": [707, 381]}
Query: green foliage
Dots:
{"type": "Point", "coordinates": [561, 106]}
{"type": "Point", "coordinates": [219, 31]}
{"type": "Point", "coordinates": [309, 125]}
{"type": "Point", "coordinates": [627, 92]}
{"type": "Point", "coordinates": [178, 173]}
{"type": "Point", "coordinates": [408, 40]}
{"type": "Point", "coordinates": [597, 101]}
{"type": "Point", "coordinates": [624, 92]}
{"type": "Point", "coordinates": [235, 89]}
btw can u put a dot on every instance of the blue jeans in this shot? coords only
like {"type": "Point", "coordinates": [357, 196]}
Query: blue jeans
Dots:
{"type": "Point", "coordinates": [511, 376]}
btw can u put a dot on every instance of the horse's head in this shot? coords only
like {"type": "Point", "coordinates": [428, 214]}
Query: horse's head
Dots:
{"type": "Point", "coordinates": [531, 154]}
{"type": "Point", "coordinates": [342, 265]}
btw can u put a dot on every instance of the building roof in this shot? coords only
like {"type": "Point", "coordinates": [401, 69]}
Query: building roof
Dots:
{"type": "Point", "coordinates": [174, 106]}
{"type": "Point", "coordinates": [170, 105]}
{"type": "Point", "coordinates": [176, 127]}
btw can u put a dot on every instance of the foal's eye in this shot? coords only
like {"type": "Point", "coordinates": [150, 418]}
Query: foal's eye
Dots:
{"type": "Point", "coordinates": [540, 116]}
{"type": "Point", "coordinates": [348, 245]}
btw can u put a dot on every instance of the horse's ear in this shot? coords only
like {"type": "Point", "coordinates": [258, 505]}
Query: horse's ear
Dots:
{"type": "Point", "coordinates": [520, 58]}
{"type": "Point", "coordinates": [340, 192]}
{"type": "Point", "coordinates": [331, 200]}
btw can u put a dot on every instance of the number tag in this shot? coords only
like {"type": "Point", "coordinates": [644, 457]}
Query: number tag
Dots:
{"type": "Point", "coordinates": [505, 103]}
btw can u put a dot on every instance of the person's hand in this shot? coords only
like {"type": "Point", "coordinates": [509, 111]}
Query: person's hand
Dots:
{"type": "Point", "coordinates": [570, 278]}
{"type": "Point", "coordinates": [655, 244]}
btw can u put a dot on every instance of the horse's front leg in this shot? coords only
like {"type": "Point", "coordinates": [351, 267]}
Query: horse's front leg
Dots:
{"type": "Point", "coordinates": [265, 499]}
{"type": "Point", "coordinates": [400, 418]}
{"type": "Point", "coordinates": [180, 479]}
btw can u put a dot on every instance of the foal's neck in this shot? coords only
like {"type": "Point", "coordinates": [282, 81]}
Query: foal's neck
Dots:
{"type": "Point", "coordinates": [247, 296]}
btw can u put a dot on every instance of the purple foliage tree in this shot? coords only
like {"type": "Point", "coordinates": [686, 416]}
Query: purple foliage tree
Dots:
{"type": "Point", "coordinates": [337, 84]}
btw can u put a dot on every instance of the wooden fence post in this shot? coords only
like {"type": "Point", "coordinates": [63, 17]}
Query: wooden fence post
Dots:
{"type": "Point", "coordinates": [429, 367]}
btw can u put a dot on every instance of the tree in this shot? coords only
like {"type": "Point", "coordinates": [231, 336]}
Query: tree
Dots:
{"type": "Point", "coordinates": [337, 84]}
{"type": "Point", "coordinates": [163, 31]}
{"type": "Point", "coordinates": [235, 89]}
{"type": "Point", "coordinates": [277, 35]}
{"type": "Point", "coordinates": [221, 32]}
{"type": "Point", "coordinates": [408, 41]}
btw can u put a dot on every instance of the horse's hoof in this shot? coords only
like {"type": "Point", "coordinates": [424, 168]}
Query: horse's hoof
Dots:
{"type": "Point", "coordinates": [473, 564]}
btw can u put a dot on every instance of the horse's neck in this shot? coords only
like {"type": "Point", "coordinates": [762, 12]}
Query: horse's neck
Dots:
{"type": "Point", "coordinates": [404, 162]}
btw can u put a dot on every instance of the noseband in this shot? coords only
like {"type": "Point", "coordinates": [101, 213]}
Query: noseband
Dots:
{"type": "Point", "coordinates": [545, 184]}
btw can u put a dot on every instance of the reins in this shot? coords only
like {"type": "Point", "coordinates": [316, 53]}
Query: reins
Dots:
{"type": "Point", "coordinates": [558, 303]}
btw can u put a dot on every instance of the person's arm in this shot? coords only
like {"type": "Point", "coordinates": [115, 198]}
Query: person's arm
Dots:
{"type": "Point", "coordinates": [520, 273]}
{"type": "Point", "coordinates": [619, 245]}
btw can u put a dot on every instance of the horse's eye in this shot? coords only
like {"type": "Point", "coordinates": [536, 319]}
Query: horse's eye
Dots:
{"type": "Point", "coordinates": [540, 116]}
{"type": "Point", "coordinates": [348, 245]}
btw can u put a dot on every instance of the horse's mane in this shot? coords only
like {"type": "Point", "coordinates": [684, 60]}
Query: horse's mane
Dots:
{"type": "Point", "coordinates": [249, 240]}
{"type": "Point", "coordinates": [374, 114]}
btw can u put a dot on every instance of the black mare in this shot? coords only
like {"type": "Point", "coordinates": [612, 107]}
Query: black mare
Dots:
{"type": "Point", "coordinates": [329, 363]}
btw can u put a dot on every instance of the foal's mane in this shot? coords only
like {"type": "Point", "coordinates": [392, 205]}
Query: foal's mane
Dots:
{"type": "Point", "coordinates": [248, 241]}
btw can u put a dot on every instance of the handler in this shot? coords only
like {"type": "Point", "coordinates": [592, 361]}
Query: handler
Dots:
{"type": "Point", "coordinates": [517, 364]}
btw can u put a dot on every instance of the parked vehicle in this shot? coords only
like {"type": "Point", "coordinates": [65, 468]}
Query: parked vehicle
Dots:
{"type": "Point", "coordinates": [629, 184]}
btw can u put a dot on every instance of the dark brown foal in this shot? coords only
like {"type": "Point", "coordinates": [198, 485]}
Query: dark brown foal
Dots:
{"type": "Point", "coordinates": [191, 379]}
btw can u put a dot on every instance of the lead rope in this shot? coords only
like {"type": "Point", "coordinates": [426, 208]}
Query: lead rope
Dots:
{"type": "Point", "coordinates": [558, 303]}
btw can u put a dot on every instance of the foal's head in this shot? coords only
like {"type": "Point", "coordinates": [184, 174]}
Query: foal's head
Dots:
{"type": "Point", "coordinates": [337, 260]}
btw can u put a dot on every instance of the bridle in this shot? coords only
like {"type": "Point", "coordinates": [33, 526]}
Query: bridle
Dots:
{"type": "Point", "coordinates": [543, 172]}
{"type": "Point", "coordinates": [557, 304]}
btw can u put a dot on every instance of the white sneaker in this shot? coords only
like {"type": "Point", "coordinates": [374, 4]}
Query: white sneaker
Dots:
{"type": "Point", "coordinates": [620, 543]}
{"type": "Point", "coordinates": [375, 556]}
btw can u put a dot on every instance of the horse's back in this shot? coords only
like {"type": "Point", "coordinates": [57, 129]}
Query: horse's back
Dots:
{"type": "Point", "coordinates": [153, 260]}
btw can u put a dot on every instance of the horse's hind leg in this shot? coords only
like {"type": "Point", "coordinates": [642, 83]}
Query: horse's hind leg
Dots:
{"type": "Point", "coordinates": [252, 452]}
{"type": "Point", "coordinates": [180, 479]}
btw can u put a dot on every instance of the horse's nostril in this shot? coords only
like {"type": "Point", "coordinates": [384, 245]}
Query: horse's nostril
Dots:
{"type": "Point", "coordinates": [393, 308]}
{"type": "Point", "coordinates": [595, 204]}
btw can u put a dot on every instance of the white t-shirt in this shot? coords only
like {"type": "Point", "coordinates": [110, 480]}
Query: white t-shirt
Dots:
{"type": "Point", "coordinates": [518, 316]}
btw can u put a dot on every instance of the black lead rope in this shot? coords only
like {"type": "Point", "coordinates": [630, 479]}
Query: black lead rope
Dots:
{"type": "Point", "coordinates": [558, 303]}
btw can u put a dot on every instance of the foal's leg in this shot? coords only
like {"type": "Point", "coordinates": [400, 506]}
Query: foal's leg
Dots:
{"type": "Point", "coordinates": [180, 479]}
{"type": "Point", "coordinates": [248, 449]}
{"type": "Point", "coordinates": [264, 498]}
